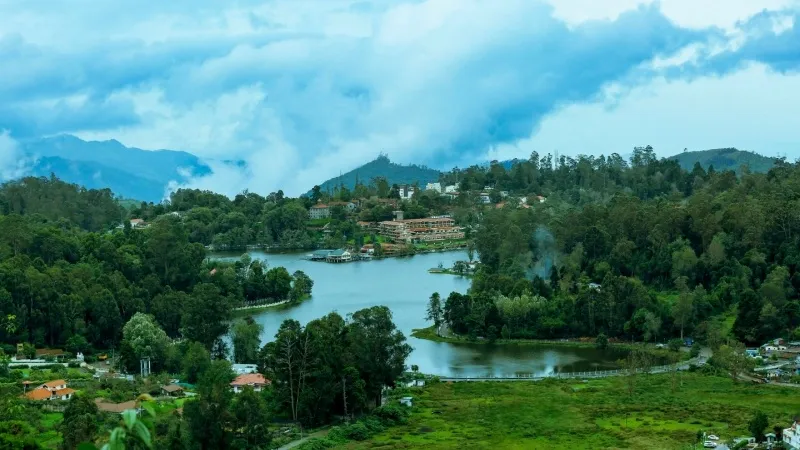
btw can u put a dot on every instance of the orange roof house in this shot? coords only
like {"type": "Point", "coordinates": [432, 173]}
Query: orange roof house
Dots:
{"type": "Point", "coordinates": [254, 380]}
{"type": "Point", "coordinates": [39, 394]}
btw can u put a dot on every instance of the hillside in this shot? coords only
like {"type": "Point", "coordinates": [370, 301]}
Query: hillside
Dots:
{"type": "Point", "coordinates": [383, 167]}
{"type": "Point", "coordinates": [725, 159]}
{"type": "Point", "coordinates": [128, 172]}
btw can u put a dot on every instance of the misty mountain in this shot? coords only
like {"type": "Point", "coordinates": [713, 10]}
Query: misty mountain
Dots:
{"type": "Point", "coordinates": [725, 159]}
{"type": "Point", "coordinates": [383, 167]}
{"type": "Point", "coordinates": [129, 172]}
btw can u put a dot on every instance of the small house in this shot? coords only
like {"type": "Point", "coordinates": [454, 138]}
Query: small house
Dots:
{"type": "Point", "coordinates": [52, 390]}
{"type": "Point", "coordinates": [339, 256]}
{"type": "Point", "coordinates": [172, 390]}
{"type": "Point", "coordinates": [407, 401]}
{"type": "Point", "coordinates": [752, 352]}
{"type": "Point", "coordinates": [254, 380]}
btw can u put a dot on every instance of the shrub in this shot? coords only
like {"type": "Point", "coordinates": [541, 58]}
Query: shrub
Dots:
{"type": "Point", "coordinates": [73, 364]}
{"type": "Point", "coordinates": [357, 432]}
{"type": "Point", "coordinates": [391, 414]}
{"type": "Point", "coordinates": [316, 444]}
{"type": "Point", "coordinates": [675, 344]}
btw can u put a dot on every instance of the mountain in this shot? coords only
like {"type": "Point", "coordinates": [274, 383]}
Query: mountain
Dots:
{"type": "Point", "coordinates": [129, 172]}
{"type": "Point", "coordinates": [383, 167]}
{"type": "Point", "coordinates": [725, 159]}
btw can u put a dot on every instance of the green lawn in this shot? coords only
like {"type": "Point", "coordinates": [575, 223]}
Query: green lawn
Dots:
{"type": "Point", "coordinates": [575, 415]}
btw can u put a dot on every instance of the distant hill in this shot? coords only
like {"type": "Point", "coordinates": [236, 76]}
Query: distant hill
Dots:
{"type": "Point", "coordinates": [129, 172]}
{"type": "Point", "coordinates": [725, 159]}
{"type": "Point", "coordinates": [383, 167]}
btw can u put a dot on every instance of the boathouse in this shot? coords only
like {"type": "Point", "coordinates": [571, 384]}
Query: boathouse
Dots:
{"type": "Point", "coordinates": [338, 256]}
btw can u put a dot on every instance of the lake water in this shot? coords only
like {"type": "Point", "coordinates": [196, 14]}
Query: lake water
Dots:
{"type": "Point", "coordinates": [404, 285]}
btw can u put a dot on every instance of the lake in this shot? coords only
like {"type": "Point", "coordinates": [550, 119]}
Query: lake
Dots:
{"type": "Point", "coordinates": [404, 285]}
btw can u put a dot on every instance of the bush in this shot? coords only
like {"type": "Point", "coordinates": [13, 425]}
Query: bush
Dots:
{"type": "Point", "coordinates": [73, 364]}
{"type": "Point", "coordinates": [695, 351]}
{"type": "Point", "coordinates": [357, 432]}
{"type": "Point", "coordinates": [316, 444]}
{"type": "Point", "coordinates": [675, 344]}
{"type": "Point", "coordinates": [391, 414]}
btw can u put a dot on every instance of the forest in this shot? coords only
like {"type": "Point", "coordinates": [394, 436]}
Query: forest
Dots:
{"type": "Point", "coordinates": [70, 279]}
{"type": "Point", "coordinates": [79, 282]}
{"type": "Point", "coordinates": [637, 250]}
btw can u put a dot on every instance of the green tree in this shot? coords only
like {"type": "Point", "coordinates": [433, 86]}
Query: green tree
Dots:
{"type": "Point", "coordinates": [195, 362]}
{"type": "Point", "coordinates": [250, 419]}
{"type": "Point", "coordinates": [246, 338]}
{"type": "Point", "coordinates": [209, 419]}
{"type": "Point", "coordinates": [205, 317]}
{"type": "Point", "coordinates": [601, 342]}
{"type": "Point", "coordinates": [434, 312]}
{"type": "Point", "coordinates": [378, 347]}
{"type": "Point", "coordinates": [683, 309]}
{"type": "Point", "coordinates": [80, 422]}
{"type": "Point", "coordinates": [146, 340]}
{"type": "Point", "coordinates": [757, 425]}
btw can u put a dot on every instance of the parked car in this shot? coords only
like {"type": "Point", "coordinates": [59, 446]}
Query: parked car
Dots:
{"type": "Point", "coordinates": [712, 437]}
{"type": "Point", "coordinates": [710, 444]}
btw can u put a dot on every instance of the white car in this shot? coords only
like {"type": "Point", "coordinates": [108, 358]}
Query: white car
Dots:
{"type": "Point", "coordinates": [709, 444]}
{"type": "Point", "coordinates": [712, 437]}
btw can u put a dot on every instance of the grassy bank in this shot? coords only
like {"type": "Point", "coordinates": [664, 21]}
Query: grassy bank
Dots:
{"type": "Point", "coordinates": [576, 415]}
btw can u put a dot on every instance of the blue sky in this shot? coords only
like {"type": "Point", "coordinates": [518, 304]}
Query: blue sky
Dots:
{"type": "Point", "coordinates": [304, 89]}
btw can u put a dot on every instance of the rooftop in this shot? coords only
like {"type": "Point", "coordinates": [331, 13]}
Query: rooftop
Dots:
{"type": "Point", "coordinates": [38, 394]}
{"type": "Point", "coordinates": [102, 405]}
{"type": "Point", "coordinates": [171, 388]}
{"type": "Point", "coordinates": [54, 384]}
{"type": "Point", "coordinates": [250, 379]}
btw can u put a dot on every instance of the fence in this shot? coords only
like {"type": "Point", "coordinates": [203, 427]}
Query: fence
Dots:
{"type": "Point", "coordinates": [682, 365]}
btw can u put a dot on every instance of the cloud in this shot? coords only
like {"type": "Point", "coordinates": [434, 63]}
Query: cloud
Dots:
{"type": "Point", "coordinates": [304, 90]}
{"type": "Point", "coordinates": [13, 164]}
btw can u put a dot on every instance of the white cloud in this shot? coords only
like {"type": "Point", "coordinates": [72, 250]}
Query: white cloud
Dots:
{"type": "Point", "coordinates": [303, 89]}
{"type": "Point", "coordinates": [705, 113]}
{"type": "Point", "coordinates": [12, 162]}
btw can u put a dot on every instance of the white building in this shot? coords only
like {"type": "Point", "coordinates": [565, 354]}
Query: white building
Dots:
{"type": "Point", "coordinates": [450, 189]}
{"type": "Point", "coordinates": [240, 369]}
{"type": "Point", "coordinates": [406, 192]}
{"type": "Point", "coordinates": [319, 211]}
{"type": "Point", "coordinates": [791, 437]}
{"type": "Point", "coordinates": [484, 197]}
{"type": "Point", "coordinates": [434, 187]}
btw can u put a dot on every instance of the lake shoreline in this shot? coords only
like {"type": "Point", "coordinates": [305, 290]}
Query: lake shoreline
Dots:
{"type": "Point", "coordinates": [429, 334]}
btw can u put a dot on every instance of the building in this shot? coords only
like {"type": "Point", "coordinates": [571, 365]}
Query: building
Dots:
{"type": "Point", "coordinates": [434, 187]}
{"type": "Point", "coordinates": [347, 206]}
{"type": "Point", "coordinates": [485, 198]}
{"type": "Point", "coordinates": [240, 369]}
{"type": "Point", "coordinates": [52, 390]}
{"type": "Point", "coordinates": [421, 230]}
{"type": "Point", "coordinates": [172, 390]}
{"type": "Point", "coordinates": [339, 256]}
{"type": "Point", "coordinates": [115, 408]}
{"type": "Point", "coordinates": [450, 189]}
{"type": "Point", "coordinates": [406, 192]}
{"type": "Point", "coordinates": [254, 380]}
{"type": "Point", "coordinates": [319, 211]}
{"type": "Point", "coordinates": [138, 223]}
{"type": "Point", "coordinates": [320, 255]}
{"type": "Point", "coordinates": [791, 437]}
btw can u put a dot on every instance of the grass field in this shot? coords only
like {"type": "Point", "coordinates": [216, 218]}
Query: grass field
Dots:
{"type": "Point", "coordinates": [598, 415]}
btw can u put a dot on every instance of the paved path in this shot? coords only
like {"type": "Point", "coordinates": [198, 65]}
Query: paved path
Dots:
{"type": "Point", "coordinates": [293, 444]}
